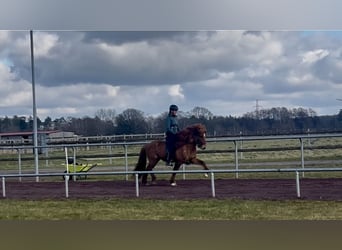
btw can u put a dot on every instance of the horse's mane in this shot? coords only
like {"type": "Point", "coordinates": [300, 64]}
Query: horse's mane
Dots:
{"type": "Point", "coordinates": [186, 135]}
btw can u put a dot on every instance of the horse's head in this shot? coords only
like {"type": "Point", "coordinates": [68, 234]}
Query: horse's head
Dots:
{"type": "Point", "coordinates": [199, 133]}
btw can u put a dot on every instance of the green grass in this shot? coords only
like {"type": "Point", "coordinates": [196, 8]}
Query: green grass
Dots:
{"type": "Point", "coordinates": [144, 209]}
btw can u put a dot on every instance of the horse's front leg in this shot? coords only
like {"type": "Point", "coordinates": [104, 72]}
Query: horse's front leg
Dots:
{"type": "Point", "coordinates": [202, 163]}
{"type": "Point", "coordinates": [173, 176]}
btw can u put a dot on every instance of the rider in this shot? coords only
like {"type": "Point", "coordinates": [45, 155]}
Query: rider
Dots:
{"type": "Point", "coordinates": [171, 131]}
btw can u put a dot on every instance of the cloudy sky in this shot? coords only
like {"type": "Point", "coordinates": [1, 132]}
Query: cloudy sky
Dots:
{"type": "Point", "coordinates": [226, 71]}
{"type": "Point", "coordinates": [223, 55]}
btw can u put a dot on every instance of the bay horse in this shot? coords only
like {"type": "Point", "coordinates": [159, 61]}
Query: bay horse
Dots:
{"type": "Point", "coordinates": [187, 140]}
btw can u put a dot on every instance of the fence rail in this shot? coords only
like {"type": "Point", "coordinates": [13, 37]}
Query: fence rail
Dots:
{"type": "Point", "coordinates": [126, 172]}
{"type": "Point", "coordinates": [6, 141]}
{"type": "Point", "coordinates": [237, 141]}
{"type": "Point", "coordinates": [136, 174]}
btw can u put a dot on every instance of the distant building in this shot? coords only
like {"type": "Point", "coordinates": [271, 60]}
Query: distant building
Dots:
{"type": "Point", "coordinates": [43, 137]}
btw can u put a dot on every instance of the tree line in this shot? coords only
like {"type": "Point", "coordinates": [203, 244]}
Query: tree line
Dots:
{"type": "Point", "coordinates": [272, 121]}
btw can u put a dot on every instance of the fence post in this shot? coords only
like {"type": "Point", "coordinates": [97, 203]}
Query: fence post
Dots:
{"type": "Point", "coordinates": [110, 153]}
{"type": "Point", "coordinates": [297, 184]}
{"type": "Point", "coordinates": [3, 187]}
{"type": "Point", "coordinates": [137, 185]}
{"type": "Point", "coordinates": [183, 167]}
{"type": "Point", "coordinates": [126, 161]}
{"type": "Point", "coordinates": [302, 153]}
{"type": "Point", "coordinates": [66, 159]}
{"type": "Point", "coordinates": [19, 163]}
{"type": "Point", "coordinates": [236, 160]}
{"type": "Point", "coordinates": [66, 180]}
{"type": "Point", "coordinates": [213, 185]}
{"type": "Point", "coordinates": [74, 163]}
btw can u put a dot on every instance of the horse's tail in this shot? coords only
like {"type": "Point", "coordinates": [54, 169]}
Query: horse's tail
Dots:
{"type": "Point", "coordinates": [141, 164]}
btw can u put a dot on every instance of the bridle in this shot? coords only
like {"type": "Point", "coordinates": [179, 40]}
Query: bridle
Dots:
{"type": "Point", "coordinates": [199, 141]}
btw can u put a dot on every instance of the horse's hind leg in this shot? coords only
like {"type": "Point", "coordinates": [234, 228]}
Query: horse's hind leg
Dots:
{"type": "Point", "coordinates": [150, 167]}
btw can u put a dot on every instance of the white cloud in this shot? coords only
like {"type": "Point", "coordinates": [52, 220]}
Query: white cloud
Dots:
{"type": "Point", "coordinates": [78, 73]}
{"type": "Point", "coordinates": [313, 56]}
{"type": "Point", "coordinates": [300, 79]}
{"type": "Point", "coordinates": [43, 43]}
{"type": "Point", "coordinates": [253, 72]}
{"type": "Point", "coordinates": [13, 92]}
{"type": "Point", "coordinates": [176, 91]}
{"type": "Point", "coordinates": [4, 37]}
{"type": "Point", "coordinates": [5, 72]}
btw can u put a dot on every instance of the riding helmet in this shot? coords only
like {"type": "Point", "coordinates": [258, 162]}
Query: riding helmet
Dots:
{"type": "Point", "coordinates": [173, 107]}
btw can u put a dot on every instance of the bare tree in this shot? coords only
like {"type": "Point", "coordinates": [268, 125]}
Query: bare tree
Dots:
{"type": "Point", "coordinates": [106, 115]}
{"type": "Point", "coordinates": [200, 112]}
{"type": "Point", "coordinates": [131, 121]}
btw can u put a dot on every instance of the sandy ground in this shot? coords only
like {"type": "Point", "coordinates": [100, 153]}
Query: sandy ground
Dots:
{"type": "Point", "coordinates": [252, 189]}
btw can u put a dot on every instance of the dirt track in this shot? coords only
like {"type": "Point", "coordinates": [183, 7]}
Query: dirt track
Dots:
{"type": "Point", "coordinates": [254, 189]}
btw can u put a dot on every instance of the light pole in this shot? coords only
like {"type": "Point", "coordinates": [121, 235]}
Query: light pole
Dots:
{"type": "Point", "coordinates": [35, 137]}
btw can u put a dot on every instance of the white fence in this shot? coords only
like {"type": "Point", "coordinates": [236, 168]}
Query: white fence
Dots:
{"type": "Point", "coordinates": [237, 141]}
{"type": "Point", "coordinates": [212, 172]}
{"type": "Point", "coordinates": [136, 173]}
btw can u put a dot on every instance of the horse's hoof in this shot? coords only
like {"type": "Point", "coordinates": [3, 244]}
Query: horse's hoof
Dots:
{"type": "Point", "coordinates": [173, 184]}
{"type": "Point", "coordinates": [153, 183]}
{"type": "Point", "coordinates": [206, 175]}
